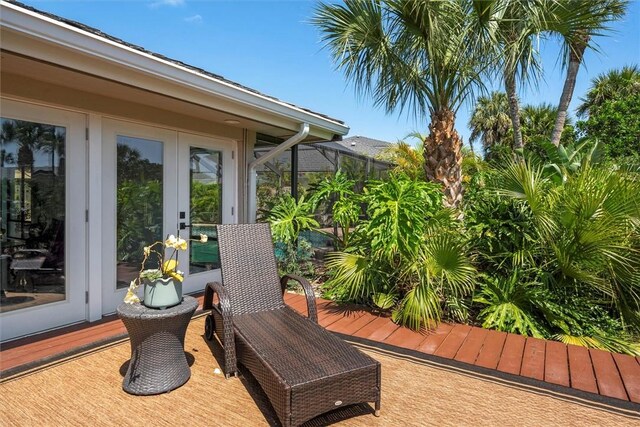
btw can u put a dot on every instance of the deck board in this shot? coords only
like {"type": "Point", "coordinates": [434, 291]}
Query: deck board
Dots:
{"type": "Point", "coordinates": [350, 326]}
{"type": "Point", "coordinates": [491, 351]}
{"type": "Point", "coordinates": [533, 359]}
{"type": "Point", "coordinates": [472, 345]}
{"type": "Point", "coordinates": [511, 359]}
{"type": "Point", "coordinates": [453, 341]}
{"type": "Point", "coordinates": [630, 372]}
{"type": "Point", "coordinates": [593, 371]}
{"type": "Point", "coordinates": [372, 327]}
{"type": "Point", "coordinates": [581, 369]}
{"type": "Point", "coordinates": [406, 338]}
{"type": "Point", "coordinates": [382, 332]}
{"type": "Point", "coordinates": [435, 338]}
{"type": "Point", "coordinates": [607, 375]}
{"type": "Point", "coordinates": [556, 364]}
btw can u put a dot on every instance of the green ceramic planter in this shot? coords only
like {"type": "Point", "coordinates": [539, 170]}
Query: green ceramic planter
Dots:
{"type": "Point", "coordinates": [162, 293]}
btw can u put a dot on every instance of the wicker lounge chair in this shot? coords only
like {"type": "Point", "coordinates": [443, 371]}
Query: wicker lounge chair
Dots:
{"type": "Point", "coordinates": [303, 369]}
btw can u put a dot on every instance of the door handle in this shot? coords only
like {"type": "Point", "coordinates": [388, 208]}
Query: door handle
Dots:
{"type": "Point", "coordinates": [184, 226]}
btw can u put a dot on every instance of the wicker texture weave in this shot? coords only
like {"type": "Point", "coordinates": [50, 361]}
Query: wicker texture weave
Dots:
{"type": "Point", "coordinates": [303, 369]}
{"type": "Point", "coordinates": [158, 363]}
{"type": "Point", "coordinates": [248, 268]}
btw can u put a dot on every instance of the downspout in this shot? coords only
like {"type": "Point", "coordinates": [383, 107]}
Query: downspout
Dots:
{"type": "Point", "coordinates": [252, 190]}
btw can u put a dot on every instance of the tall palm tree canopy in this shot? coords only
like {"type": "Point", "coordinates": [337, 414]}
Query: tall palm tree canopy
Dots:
{"type": "Point", "coordinates": [609, 86]}
{"type": "Point", "coordinates": [537, 121]}
{"type": "Point", "coordinates": [405, 54]}
{"type": "Point", "coordinates": [576, 23]}
{"type": "Point", "coordinates": [490, 122]}
{"type": "Point", "coordinates": [421, 56]}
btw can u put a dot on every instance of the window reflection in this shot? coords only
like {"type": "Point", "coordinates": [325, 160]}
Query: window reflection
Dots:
{"type": "Point", "coordinates": [32, 214]}
{"type": "Point", "coordinates": [205, 203]}
{"type": "Point", "coordinates": [139, 201]}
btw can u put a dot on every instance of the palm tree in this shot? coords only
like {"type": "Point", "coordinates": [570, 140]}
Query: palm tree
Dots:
{"type": "Point", "coordinates": [419, 56]}
{"type": "Point", "coordinates": [611, 85]}
{"type": "Point", "coordinates": [490, 122]}
{"type": "Point", "coordinates": [537, 122]}
{"type": "Point", "coordinates": [577, 23]}
{"type": "Point", "coordinates": [513, 26]}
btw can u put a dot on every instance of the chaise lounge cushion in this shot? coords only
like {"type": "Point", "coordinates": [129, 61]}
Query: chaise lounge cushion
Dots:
{"type": "Point", "coordinates": [299, 350]}
{"type": "Point", "coordinates": [285, 351]}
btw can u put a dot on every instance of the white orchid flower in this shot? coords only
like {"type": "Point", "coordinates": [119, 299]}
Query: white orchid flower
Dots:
{"type": "Point", "coordinates": [131, 297]}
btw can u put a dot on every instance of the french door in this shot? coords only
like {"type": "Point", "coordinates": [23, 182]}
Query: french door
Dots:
{"type": "Point", "coordinates": [206, 197]}
{"type": "Point", "coordinates": [43, 257]}
{"type": "Point", "coordinates": [160, 182]}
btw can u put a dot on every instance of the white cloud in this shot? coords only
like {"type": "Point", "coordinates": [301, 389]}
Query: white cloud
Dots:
{"type": "Point", "coordinates": [195, 19]}
{"type": "Point", "coordinates": [172, 3]}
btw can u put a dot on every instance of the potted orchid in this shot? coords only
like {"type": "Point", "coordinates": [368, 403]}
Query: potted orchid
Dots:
{"type": "Point", "coordinates": [162, 285]}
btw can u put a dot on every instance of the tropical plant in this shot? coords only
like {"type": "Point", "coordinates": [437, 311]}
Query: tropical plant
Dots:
{"type": "Point", "coordinates": [561, 162]}
{"type": "Point", "coordinates": [612, 105]}
{"type": "Point", "coordinates": [288, 218]}
{"type": "Point", "coordinates": [576, 23]}
{"type": "Point", "coordinates": [589, 231]}
{"type": "Point", "coordinates": [610, 86]}
{"type": "Point", "coordinates": [419, 56]}
{"type": "Point", "coordinates": [616, 124]}
{"type": "Point", "coordinates": [408, 159]}
{"type": "Point", "coordinates": [510, 304]}
{"type": "Point", "coordinates": [405, 257]}
{"type": "Point", "coordinates": [338, 191]}
{"type": "Point", "coordinates": [490, 122]}
{"type": "Point", "coordinates": [537, 123]}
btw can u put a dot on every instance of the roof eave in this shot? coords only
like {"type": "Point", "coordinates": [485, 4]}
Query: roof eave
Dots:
{"type": "Point", "coordinates": [55, 32]}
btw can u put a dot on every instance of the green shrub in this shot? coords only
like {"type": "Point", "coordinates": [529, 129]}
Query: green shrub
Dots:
{"type": "Point", "coordinates": [407, 256]}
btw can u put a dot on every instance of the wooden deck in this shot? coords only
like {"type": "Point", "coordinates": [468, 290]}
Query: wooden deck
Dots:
{"type": "Point", "coordinates": [588, 370]}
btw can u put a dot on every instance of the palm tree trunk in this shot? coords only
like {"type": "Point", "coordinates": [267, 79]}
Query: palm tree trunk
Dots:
{"type": "Point", "coordinates": [514, 108]}
{"type": "Point", "coordinates": [443, 157]}
{"type": "Point", "coordinates": [576, 52]}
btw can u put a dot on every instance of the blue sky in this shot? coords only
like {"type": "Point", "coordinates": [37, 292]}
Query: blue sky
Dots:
{"type": "Point", "coordinates": [270, 46]}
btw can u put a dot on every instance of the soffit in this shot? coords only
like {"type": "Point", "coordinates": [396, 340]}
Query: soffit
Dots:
{"type": "Point", "coordinates": [41, 71]}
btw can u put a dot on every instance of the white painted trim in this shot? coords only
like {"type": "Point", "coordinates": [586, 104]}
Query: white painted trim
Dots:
{"type": "Point", "coordinates": [43, 28]}
{"type": "Point", "coordinates": [95, 206]}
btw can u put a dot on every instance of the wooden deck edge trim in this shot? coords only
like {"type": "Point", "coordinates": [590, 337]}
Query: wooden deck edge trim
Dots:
{"type": "Point", "coordinates": [618, 406]}
{"type": "Point", "coordinates": [29, 368]}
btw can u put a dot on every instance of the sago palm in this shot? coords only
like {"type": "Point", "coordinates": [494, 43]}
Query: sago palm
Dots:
{"type": "Point", "coordinates": [409, 55]}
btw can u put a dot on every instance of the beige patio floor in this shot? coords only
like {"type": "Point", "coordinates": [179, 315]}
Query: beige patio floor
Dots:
{"type": "Point", "coordinates": [86, 390]}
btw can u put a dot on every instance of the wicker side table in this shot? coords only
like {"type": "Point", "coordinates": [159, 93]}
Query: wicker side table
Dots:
{"type": "Point", "coordinates": [158, 363]}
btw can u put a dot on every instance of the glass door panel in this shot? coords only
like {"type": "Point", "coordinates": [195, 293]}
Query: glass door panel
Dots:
{"type": "Point", "coordinates": [139, 204]}
{"type": "Point", "coordinates": [32, 214]}
{"type": "Point", "coordinates": [206, 197]}
{"type": "Point", "coordinates": [139, 201]}
{"type": "Point", "coordinates": [43, 251]}
{"type": "Point", "coordinates": [205, 204]}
